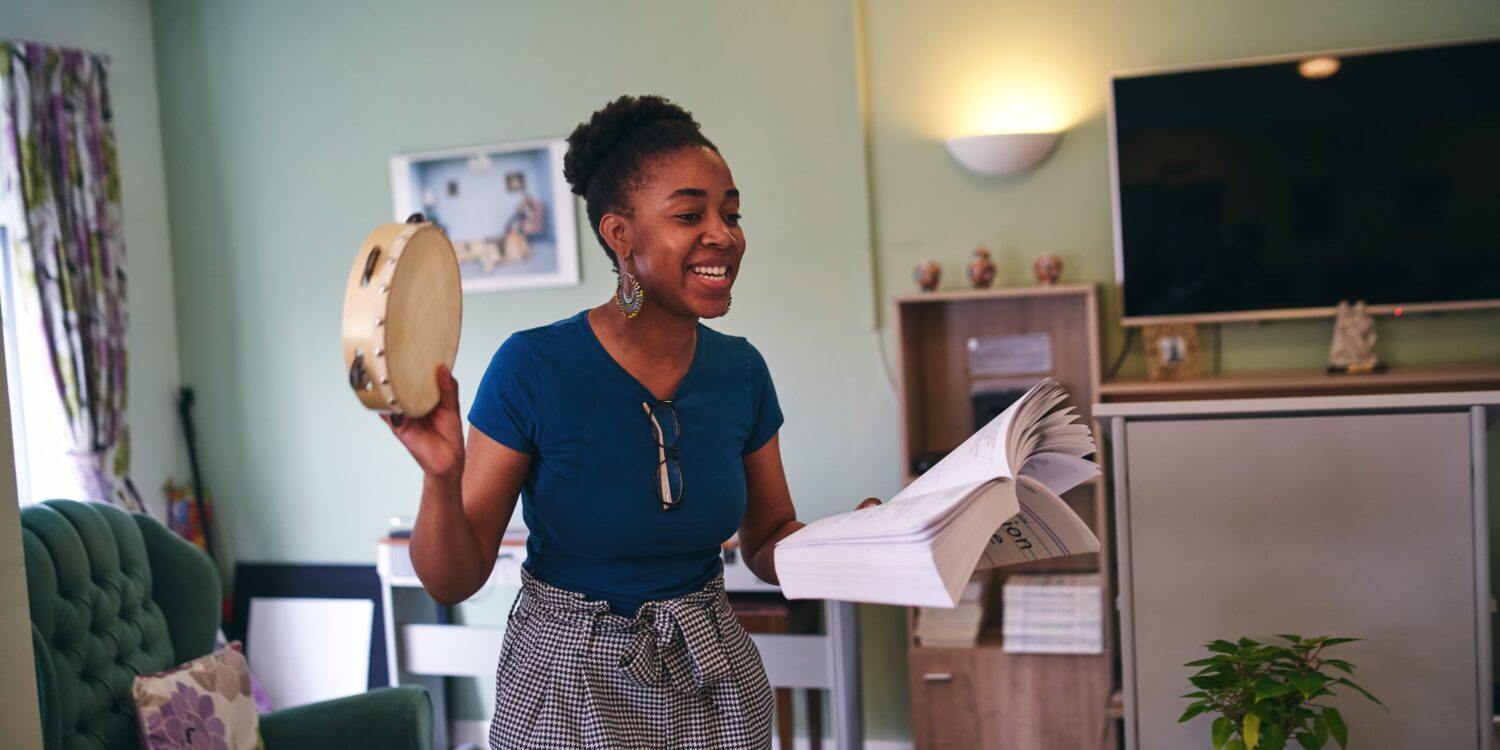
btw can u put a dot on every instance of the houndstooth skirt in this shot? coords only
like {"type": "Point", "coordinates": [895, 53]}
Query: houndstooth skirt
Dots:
{"type": "Point", "coordinates": [682, 673]}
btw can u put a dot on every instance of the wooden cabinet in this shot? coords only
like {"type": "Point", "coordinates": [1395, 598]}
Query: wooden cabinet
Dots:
{"type": "Point", "coordinates": [946, 697]}
{"type": "Point", "coordinates": [983, 697]}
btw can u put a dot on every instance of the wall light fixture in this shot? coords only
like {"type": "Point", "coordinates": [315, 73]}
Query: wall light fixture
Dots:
{"type": "Point", "coordinates": [1001, 153]}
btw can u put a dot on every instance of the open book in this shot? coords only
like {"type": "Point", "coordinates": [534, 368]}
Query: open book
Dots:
{"type": "Point", "coordinates": [993, 501]}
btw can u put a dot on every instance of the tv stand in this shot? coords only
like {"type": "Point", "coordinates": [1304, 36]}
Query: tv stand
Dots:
{"type": "Point", "coordinates": [1279, 384]}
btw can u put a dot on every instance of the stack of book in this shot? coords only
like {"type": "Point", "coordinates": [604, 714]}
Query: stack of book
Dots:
{"type": "Point", "coordinates": [1054, 614]}
{"type": "Point", "coordinates": [957, 627]}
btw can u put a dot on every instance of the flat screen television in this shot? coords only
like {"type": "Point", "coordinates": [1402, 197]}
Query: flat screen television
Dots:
{"type": "Point", "coordinates": [1276, 188]}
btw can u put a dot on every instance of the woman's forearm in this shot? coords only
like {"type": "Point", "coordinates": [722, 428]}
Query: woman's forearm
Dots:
{"type": "Point", "coordinates": [763, 561]}
{"type": "Point", "coordinates": [762, 557]}
{"type": "Point", "coordinates": [445, 552]}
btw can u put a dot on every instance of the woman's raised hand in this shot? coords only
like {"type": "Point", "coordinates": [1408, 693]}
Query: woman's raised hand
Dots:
{"type": "Point", "coordinates": [436, 440]}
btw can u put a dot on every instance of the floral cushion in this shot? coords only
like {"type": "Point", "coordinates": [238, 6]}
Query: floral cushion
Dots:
{"type": "Point", "coordinates": [205, 704]}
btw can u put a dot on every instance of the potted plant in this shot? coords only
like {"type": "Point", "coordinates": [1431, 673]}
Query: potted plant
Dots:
{"type": "Point", "coordinates": [1264, 693]}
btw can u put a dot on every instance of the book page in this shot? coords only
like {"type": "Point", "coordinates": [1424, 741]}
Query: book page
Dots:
{"type": "Point", "coordinates": [1037, 405]}
{"type": "Point", "coordinates": [1059, 472]}
{"type": "Point", "coordinates": [987, 453]}
{"type": "Point", "coordinates": [978, 459]}
{"type": "Point", "coordinates": [1044, 428]}
{"type": "Point", "coordinates": [905, 515]}
{"type": "Point", "coordinates": [1046, 527]}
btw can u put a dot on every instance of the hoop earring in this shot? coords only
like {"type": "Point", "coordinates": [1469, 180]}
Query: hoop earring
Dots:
{"type": "Point", "coordinates": [628, 296]}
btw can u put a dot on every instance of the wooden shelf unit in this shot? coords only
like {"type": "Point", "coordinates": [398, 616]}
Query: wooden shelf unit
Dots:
{"type": "Point", "coordinates": [1410, 379]}
{"type": "Point", "coordinates": [982, 696]}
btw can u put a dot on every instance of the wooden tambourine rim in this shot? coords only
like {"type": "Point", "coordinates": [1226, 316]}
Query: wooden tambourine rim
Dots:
{"type": "Point", "coordinates": [379, 394]}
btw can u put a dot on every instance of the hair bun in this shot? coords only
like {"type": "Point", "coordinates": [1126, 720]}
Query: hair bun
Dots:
{"type": "Point", "coordinates": [592, 141]}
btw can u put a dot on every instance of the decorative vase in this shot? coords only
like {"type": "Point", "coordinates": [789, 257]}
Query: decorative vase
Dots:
{"type": "Point", "coordinates": [981, 269]}
{"type": "Point", "coordinates": [927, 274]}
{"type": "Point", "coordinates": [1048, 269]}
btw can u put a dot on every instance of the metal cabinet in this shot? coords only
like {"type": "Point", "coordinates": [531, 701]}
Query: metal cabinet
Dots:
{"type": "Point", "coordinates": [1361, 516]}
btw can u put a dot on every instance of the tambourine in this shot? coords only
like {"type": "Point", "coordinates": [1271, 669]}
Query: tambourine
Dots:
{"type": "Point", "coordinates": [402, 310]}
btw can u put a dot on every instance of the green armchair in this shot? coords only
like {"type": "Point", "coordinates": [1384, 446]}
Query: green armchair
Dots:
{"type": "Point", "coordinates": [115, 594]}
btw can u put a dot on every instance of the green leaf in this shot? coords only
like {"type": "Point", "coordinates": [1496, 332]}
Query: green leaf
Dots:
{"type": "Point", "coordinates": [1209, 682]}
{"type": "Point", "coordinates": [1261, 711]}
{"type": "Point", "coordinates": [1270, 688]}
{"type": "Point", "coordinates": [1271, 737]}
{"type": "Point", "coordinates": [1235, 745]}
{"type": "Point", "coordinates": [1364, 692]}
{"type": "Point", "coordinates": [1289, 637]}
{"type": "Point", "coordinates": [1308, 741]}
{"type": "Point", "coordinates": [1248, 642]}
{"type": "Point", "coordinates": [1308, 683]}
{"type": "Point", "coordinates": [1223, 647]}
{"type": "Point", "coordinates": [1320, 730]}
{"type": "Point", "coordinates": [1336, 726]}
{"type": "Point", "coordinates": [1339, 664]}
{"type": "Point", "coordinates": [1223, 669]}
{"type": "Point", "coordinates": [1222, 728]}
{"type": "Point", "coordinates": [1251, 731]}
{"type": "Point", "coordinates": [1336, 641]}
{"type": "Point", "coordinates": [1193, 710]}
{"type": "Point", "coordinates": [1204, 662]}
{"type": "Point", "coordinates": [1194, 694]}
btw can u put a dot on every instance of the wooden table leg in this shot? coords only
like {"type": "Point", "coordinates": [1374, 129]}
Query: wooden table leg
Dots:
{"type": "Point", "coordinates": [786, 725]}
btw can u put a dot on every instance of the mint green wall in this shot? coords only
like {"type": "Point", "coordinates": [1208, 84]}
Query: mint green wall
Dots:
{"type": "Point", "coordinates": [279, 118]}
{"type": "Point", "coordinates": [121, 29]}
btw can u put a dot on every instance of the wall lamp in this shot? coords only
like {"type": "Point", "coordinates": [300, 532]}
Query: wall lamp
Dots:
{"type": "Point", "coordinates": [1001, 153]}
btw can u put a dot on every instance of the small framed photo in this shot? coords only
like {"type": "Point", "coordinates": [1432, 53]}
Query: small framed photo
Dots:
{"type": "Point", "coordinates": [1172, 352]}
{"type": "Point", "coordinates": [506, 208]}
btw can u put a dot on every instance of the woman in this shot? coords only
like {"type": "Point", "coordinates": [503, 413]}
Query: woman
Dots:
{"type": "Point", "coordinates": [640, 440]}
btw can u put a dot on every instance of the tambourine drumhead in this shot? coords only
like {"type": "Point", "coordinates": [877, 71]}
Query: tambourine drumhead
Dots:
{"type": "Point", "coordinates": [402, 310]}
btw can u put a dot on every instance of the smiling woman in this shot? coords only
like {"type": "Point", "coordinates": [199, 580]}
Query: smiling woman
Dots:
{"type": "Point", "coordinates": [662, 203]}
{"type": "Point", "coordinates": [627, 427]}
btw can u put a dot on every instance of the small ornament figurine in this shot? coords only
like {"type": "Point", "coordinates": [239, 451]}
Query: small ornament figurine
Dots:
{"type": "Point", "coordinates": [1048, 268]}
{"type": "Point", "coordinates": [981, 269]}
{"type": "Point", "coordinates": [1353, 347]}
{"type": "Point", "coordinates": [927, 274]}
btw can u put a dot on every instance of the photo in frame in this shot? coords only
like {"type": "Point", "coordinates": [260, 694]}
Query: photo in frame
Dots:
{"type": "Point", "coordinates": [1172, 351]}
{"type": "Point", "coordinates": [506, 208]}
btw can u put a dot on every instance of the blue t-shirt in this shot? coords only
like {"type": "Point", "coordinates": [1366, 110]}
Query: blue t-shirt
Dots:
{"type": "Point", "coordinates": [590, 498]}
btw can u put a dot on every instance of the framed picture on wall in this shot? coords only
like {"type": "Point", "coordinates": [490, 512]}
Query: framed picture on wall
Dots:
{"type": "Point", "coordinates": [506, 208]}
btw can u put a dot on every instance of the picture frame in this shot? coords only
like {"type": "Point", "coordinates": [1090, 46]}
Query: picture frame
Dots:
{"type": "Point", "coordinates": [505, 207]}
{"type": "Point", "coordinates": [1172, 351]}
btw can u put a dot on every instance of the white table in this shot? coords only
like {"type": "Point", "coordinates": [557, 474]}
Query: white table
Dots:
{"type": "Point", "coordinates": [421, 650]}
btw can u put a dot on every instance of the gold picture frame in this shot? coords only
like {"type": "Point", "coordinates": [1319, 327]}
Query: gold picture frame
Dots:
{"type": "Point", "coordinates": [1172, 351]}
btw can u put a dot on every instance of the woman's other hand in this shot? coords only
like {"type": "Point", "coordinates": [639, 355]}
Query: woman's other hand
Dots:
{"type": "Point", "coordinates": [436, 440]}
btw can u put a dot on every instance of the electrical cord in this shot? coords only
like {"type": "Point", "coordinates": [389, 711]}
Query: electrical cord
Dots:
{"type": "Point", "coordinates": [1124, 349]}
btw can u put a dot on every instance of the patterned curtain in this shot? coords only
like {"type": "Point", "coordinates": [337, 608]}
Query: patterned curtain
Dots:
{"type": "Point", "coordinates": [59, 154]}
